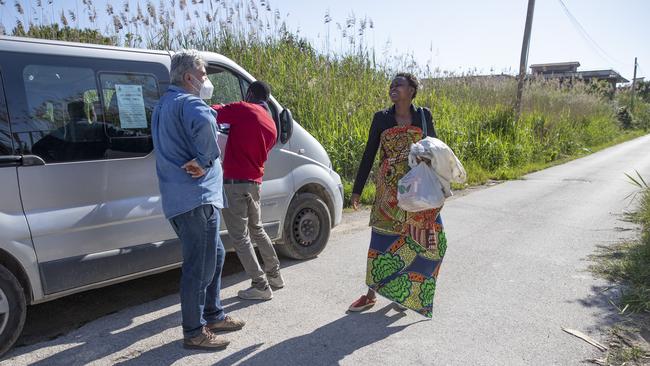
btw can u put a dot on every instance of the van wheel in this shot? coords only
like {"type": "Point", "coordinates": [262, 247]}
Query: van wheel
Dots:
{"type": "Point", "coordinates": [12, 309]}
{"type": "Point", "coordinates": [306, 228]}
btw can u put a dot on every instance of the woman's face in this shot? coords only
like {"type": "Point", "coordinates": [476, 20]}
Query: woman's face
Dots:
{"type": "Point", "coordinates": [400, 90]}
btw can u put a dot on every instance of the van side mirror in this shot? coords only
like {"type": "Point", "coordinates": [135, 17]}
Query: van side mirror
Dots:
{"type": "Point", "coordinates": [286, 125]}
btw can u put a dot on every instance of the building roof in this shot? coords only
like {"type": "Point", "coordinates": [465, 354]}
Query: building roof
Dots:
{"type": "Point", "coordinates": [602, 74]}
{"type": "Point", "coordinates": [569, 69]}
{"type": "Point", "coordinates": [555, 64]}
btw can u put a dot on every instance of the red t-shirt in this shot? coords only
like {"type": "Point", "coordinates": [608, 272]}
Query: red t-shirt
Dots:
{"type": "Point", "coordinates": [252, 135]}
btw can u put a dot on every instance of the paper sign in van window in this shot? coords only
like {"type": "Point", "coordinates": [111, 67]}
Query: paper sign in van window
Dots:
{"type": "Point", "coordinates": [130, 103]}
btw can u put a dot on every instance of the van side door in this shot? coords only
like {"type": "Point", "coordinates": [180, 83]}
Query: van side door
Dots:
{"type": "Point", "coordinates": [14, 232]}
{"type": "Point", "coordinates": [89, 189]}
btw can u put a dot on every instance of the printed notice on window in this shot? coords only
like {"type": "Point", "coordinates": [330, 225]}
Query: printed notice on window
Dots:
{"type": "Point", "coordinates": [130, 103]}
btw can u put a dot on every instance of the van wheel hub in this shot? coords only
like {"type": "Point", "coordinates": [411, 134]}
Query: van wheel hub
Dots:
{"type": "Point", "coordinates": [4, 311]}
{"type": "Point", "coordinates": [306, 227]}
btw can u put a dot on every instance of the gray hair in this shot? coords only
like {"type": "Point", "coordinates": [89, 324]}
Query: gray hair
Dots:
{"type": "Point", "coordinates": [184, 61]}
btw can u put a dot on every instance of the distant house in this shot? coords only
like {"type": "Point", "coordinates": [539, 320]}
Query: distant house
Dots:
{"type": "Point", "coordinates": [465, 79]}
{"type": "Point", "coordinates": [556, 70]}
{"type": "Point", "coordinates": [569, 71]}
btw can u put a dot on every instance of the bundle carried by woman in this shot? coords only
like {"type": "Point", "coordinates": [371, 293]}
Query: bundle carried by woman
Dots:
{"type": "Point", "coordinates": [434, 166]}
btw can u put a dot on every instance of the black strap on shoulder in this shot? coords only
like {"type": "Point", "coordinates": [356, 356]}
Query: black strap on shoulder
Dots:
{"type": "Point", "coordinates": [424, 122]}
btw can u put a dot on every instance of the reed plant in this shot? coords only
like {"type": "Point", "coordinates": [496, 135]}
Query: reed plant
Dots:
{"type": "Point", "coordinates": [334, 89]}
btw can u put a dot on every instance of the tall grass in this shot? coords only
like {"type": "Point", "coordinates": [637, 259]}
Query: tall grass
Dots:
{"type": "Point", "coordinates": [629, 263]}
{"type": "Point", "coordinates": [334, 93]}
{"type": "Point", "coordinates": [634, 266]}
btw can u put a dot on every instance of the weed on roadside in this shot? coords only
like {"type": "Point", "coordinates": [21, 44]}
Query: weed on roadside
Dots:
{"type": "Point", "coordinates": [628, 265]}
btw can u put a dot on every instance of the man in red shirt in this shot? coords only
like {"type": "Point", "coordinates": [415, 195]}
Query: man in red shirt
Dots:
{"type": "Point", "coordinates": [251, 137]}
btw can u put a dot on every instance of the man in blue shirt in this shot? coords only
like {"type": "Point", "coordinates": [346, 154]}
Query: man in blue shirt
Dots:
{"type": "Point", "coordinates": [191, 182]}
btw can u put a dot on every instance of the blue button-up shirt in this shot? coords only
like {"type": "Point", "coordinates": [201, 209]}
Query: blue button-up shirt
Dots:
{"type": "Point", "coordinates": [184, 128]}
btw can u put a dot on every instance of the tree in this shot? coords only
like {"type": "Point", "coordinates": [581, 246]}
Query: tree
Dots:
{"type": "Point", "coordinates": [643, 90]}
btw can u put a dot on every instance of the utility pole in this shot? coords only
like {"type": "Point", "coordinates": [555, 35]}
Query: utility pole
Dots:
{"type": "Point", "coordinates": [523, 64]}
{"type": "Point", "coordinates": [633, 88]}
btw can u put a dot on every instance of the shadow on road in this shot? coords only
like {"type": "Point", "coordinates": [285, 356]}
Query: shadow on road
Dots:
{"type": "Point", "coordinates": [607, 298]}
{"type": "Point", "coordinates": [327, 345]}
{"type": "Point", "coordinates": [56, 318]}
{"type": "Point", "coordinates": [121, 332]}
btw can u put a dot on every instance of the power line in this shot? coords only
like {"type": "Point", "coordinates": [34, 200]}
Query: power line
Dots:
{"type": "Point", "coordinates": [585, 35]}
{"type": "Point", "coordinates": [641, 70]}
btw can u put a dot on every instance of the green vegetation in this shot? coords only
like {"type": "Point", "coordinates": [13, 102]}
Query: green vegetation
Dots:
{"type": "Point", "coordinates": [335, 93]}
{"type": "Point", "coordinates": [65, 33]}
{"type": "Point", "coordinates": [629, 262]}
{"type": "Point", "coordinates": [629, 265]}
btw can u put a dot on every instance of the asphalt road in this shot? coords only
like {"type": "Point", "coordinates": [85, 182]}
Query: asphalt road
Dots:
{"type": "Point", "coordinates": [515, 273]}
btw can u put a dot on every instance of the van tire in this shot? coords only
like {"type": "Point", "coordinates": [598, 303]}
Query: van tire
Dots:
{"type": "Point", "coordinates": [12, 309]}
{"type": "Point", "coordinates": [306, 227]}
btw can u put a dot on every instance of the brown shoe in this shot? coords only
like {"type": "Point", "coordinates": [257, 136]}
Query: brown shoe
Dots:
{"type": "Point", "coordinates": [206, 341]}
{"type": "Point", "coordinates": [228, 324]}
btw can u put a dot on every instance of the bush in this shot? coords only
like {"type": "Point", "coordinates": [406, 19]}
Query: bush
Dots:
{"type": "Point", "coordinates": [624, 118]}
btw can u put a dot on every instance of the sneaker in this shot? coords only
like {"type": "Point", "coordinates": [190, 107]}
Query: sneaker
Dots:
{"type": "Point", "coordinates": [206, 341]}
{"type": "Point", "coordinates": [276, 281]}
{"type": "Point", "coordinates": [228, 324]}
{"type": "Point", "coordinates": [253, 293]}
{"type": "Point", "coordinates": [363, 303]}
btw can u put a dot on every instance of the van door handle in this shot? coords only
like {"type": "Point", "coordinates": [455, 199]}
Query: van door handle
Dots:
{"type": "Point", "coordinates": [10, 160]}
{"type": "Point", "coordinates": [301, 151]}
{"type": "Point", "coordinates": [32, 160]}
{"type": "Point", "coordinates": [20, 160]}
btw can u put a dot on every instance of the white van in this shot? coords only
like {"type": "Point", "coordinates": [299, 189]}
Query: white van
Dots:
{"type": "Point", "coordinates": [79, 200]}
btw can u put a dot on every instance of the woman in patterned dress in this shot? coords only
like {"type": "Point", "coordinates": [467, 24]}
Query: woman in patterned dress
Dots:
{"type": "Point", "coordinates": [406, 248]}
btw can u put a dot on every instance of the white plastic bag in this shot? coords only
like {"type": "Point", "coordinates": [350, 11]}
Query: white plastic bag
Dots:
{"type": "Point", "coordinates": [444, 162]}
{"type": "Point", "coordinates": [420, 190]}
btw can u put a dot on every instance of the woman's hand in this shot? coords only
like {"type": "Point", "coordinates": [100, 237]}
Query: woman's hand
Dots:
{"type": "Point", "coordinates": [354, 200]}
{"type": "Point", "coordinates": [420, 159]}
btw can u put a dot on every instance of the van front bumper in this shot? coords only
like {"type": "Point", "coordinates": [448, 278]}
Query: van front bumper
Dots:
{"type": "Point", "coordinates": [338, 199]}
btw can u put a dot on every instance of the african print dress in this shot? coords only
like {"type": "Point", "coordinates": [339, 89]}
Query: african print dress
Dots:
{"type": "Point", "coordinates": [406, 248]}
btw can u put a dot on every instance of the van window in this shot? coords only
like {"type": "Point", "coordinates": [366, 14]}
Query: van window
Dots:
{"type": "Point", "coordinates": [62, 115]}
{"type": "Point", "coordinates": [274, 112]}
{"type": "Point", "coordinates": [129, 99]}
{"type": "Point", "coordinates": [230, 88]}
{"type": "Point", "coordinates": [6, 146]}
{"type": "Point", "coordinates": [244, 85]}
{"type": "Point", "coordinates": [226, 87]}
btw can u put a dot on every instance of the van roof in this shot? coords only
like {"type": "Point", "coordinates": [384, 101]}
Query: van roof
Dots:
{"type": "Point", "coordinates": [64, 48]}
{"type": "Point", "coordinates": [80, 45]}
{"type": "Point", "coordinates": [33, 44]}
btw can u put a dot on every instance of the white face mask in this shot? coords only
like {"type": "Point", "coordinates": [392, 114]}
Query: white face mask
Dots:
{"type": "Point", "coordinates": [205, 88]}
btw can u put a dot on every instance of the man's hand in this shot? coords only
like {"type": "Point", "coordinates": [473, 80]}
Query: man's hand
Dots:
{"type": "Point", "coordinates": [194, 169]}
{"type": "Point", "coordinates": [355, 200]}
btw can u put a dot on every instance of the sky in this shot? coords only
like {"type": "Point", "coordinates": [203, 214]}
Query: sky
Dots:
{"type": "Point", "coordinates": [460, 35]}
{"type": "Point", "coordinates": [469, 35]}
